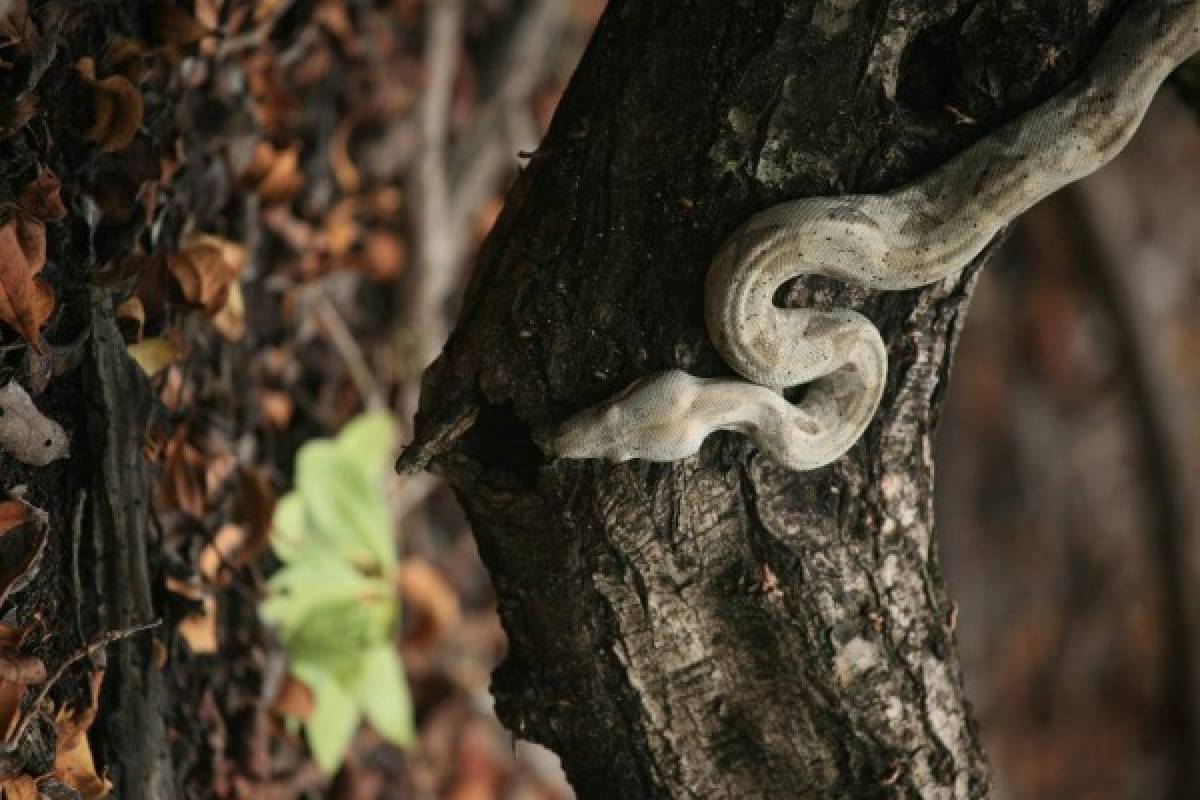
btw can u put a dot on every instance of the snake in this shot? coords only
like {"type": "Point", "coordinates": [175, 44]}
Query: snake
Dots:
{"type": "Point", "coordinates": [918, 234]}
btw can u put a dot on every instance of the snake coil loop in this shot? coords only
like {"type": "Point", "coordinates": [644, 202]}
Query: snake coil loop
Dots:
{"type": "Point", "coordinates": [913, 236]}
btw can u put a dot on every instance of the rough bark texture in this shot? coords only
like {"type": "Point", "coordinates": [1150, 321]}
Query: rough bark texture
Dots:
{"type": "Point", "coordinates": [722, 627]}
{"type": "Point", "coordinates": [135, 736]}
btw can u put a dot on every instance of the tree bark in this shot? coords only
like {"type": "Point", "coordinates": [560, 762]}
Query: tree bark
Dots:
{"type": "Point", "coordinates": [135, 738]}
{"type": "Point", "coordinates": [722, 627]}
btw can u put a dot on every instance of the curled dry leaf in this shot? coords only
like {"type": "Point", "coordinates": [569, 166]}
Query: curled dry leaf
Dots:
{"type": "Point", "coordinates": [73, 762]}
{"type": "Point", "coordinates": [205, 268]}
{"type": "Point", "coordinates": [208, 13]}
{"type": "Point", "coordinates": [131, 318]}
{"type": "Point", "coordinates": [10, 706]}
{"type": "Point", "coordinates": [26, 433]}
{"type": "Point", "coordinates": [117, 106]}
{"type": "Point", "coordinates": [255, 508]}
{"type": "Point", "coordinates": [12, 514]}
{"type": "Point", "coordinates": [339, 157]}
{"type": "Point", "coordinates": [26, 670]}
{"type": "Point", "coordinates": [26, 301]}
{"type": "Point", "coordinates": [41, 198]}
{"type": "Point", "coordinates": [15, 668]}
{"type": "Point", "coordinates": [230, 321]}
{"type": "Point", "coordinates": [126, 57]}
{"type": "Point", "coordinates": [11, 691]}
{"type": "Point", "coordinates": [199, 628]}
{"type": "Point", "coordinates": [193, 474]}
{"type": "Point", "coordinates": [15, 25]}
{"type": "Point", "coordinates": [174, 26]}
{"type": "Point", "coordinates": [223, 549]}
{"type": "Point", "coordinates": [428, 594]}
{"type": "Point", "coordinates": [275, 174]}
{"type": "Point", "coordinates": [16, 113]}
{"type": "Point", "coordinates": [20, 787]}
{"type": "Point", "coordinates": [154, 355]}
{"type": "Point", "coordinates": [339, 231]}
{"type": "Point", "coordinates": [21, 548]}
{"type": "Point", "coordinates": [294, 700]}
{"type": "Point", "coordinates": [384, 254]}
{"type": "Point", "coordinates": [276, 408]}
{"type": "Point", "coordinates": [183, 486]}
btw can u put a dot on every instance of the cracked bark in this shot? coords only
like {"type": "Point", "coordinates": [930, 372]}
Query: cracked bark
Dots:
{"type": "Point", "coordinates": [722, 627]}
{"type": "Point", "coordinates": [135, 744]}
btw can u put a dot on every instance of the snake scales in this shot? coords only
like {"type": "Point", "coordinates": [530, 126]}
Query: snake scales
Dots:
{"type": "Point", "coordinates": [903, 239]}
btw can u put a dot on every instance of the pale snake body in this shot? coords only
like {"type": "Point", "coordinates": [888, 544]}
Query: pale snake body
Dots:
{"type": "Point", "coordinates": [911, 237]}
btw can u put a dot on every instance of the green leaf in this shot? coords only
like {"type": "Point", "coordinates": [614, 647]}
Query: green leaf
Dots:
{"type": "Point", "coordinates": [287, 526]}
{"type": "Point", "coordinates": [303, 587]}
{"type": "Point", "coordinates": [368, 441]}
{"type": "Point", "coordinates": [382, 694]}
{"type": "Point", "coordinates": [345, 509]}
{"type": "Point", "coordinates": [334, 717]}
{"type": "Point", "coordinates": [338, 636]}
{"type": "Point", "coordinates": [334, 601]}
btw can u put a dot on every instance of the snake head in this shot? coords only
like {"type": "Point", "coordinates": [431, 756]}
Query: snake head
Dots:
{"type": "Point", "coordinates": [647, 420]}
{"type": "Point", "coordinates": [592, 433]}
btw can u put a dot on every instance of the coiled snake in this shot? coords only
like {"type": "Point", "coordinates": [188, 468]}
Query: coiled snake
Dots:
{"type": "Point", "coordinates": [910, 237]}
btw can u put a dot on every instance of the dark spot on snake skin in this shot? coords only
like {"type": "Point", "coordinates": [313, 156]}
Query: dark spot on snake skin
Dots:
{"type": "Point", "coordinates": [795, 394]}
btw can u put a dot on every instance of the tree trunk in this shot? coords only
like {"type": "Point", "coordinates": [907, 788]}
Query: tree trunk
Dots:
{"type": "Point", "coordinates": [723, 627]}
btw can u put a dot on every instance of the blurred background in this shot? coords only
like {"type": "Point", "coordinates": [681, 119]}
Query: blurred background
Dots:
{"type": "Point", "coordinates": [358, 152]}
{"type": "Point", "coordinates": [1067, 480]}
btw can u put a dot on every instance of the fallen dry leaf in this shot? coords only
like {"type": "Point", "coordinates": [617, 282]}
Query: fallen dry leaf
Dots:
{"type": "Point", "coordinates": [255, 509]}
{"type": "Point", "coordinates": [154, 355]}
{"type": "Point", "coordinates": [340, 230]}
{"type": "Point", "coordinates": [208, 13]}
{"type": "Point", "coordinates": [17, 113]}
{"type": "Point", "coordinates": [188, 589]}
{"type": "Point", "coordinates": [117, 106]}
{"type": "Point", "coordinates": [275, 174]}
{"type": "Point", "coordinates": [334, 18]}
{"type": "Point", "coordinates": [200, 630]}
{"type": "Point", "coordinates": [23, 546]}
{"type": "Point", "coordinates": [25, 670]}
{"type": "Point", "coordinates": [433, 600]}
{"type": "Point", "coordinates": [384, 254]}
{"type": "Point", "coordinates": [22, 787]}
{"type": "Point", "coordinates": [339, 157]}
{"type": "Point", "coordinates": [41, 198]}
{"type": "Point", "coordinates": [205, 267]}
{"type": "Point", "coordinates": [158, 654]}
{"type": "Point", "coordinates": [26, 301]}
{"type": "Point", "coordinates": [15, 25]}
{"type": "Point", "coordinates": [223, 549]}
{"type": "Point", "coordinates": [131, 317]}
{"type": "Point", "coordinates": [126, 57]}
{"type": "Point", "coordinates": [26, 433]}
{"type": "Point", "coordinates": [175, 26]}
{"type": "Point", "coordinates": [11, 692]}
{"type": "Point", "coordinates": [12, 514]}
{"type": "Point", "coordinates": [73, 762]}
{"type": "Point", "coordinates": [183, 485]}
{"type": "Point", "coordinates": [276, 408]}
{"type": "Point", "coordinates": [230, 321]}
{"type": "Point", "coordinates": [295, 699]}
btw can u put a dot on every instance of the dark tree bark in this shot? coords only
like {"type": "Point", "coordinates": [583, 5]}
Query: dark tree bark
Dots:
{"type": "Point", "coordinates": [723, 627]}
{"type": "Point", "coordinates": [135, 740]}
